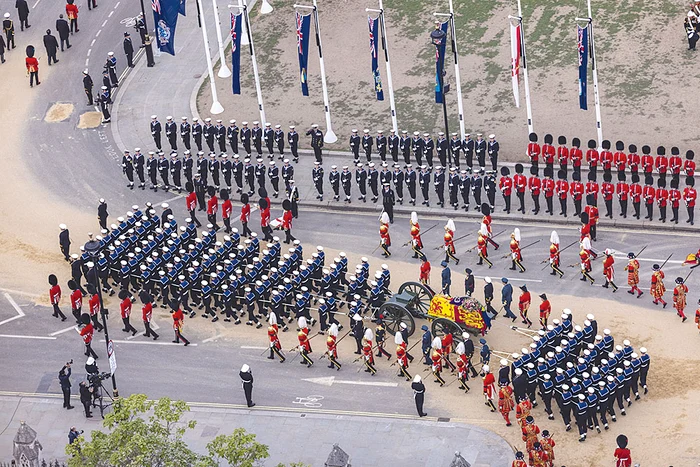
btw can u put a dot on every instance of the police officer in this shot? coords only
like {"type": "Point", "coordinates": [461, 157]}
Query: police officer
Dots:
{"type": "Point", "coordinates": [388, 201]}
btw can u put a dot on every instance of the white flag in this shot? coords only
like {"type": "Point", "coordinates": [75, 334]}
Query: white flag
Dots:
{"type": "Point", "coordinates": [515, 49]}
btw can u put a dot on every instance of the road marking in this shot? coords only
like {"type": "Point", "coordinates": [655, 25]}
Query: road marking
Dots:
{"type": "Point", "coordinates": [19, 311]}
{"type": "Point", "coordinates": [19, 292]}
{"type": "Point", "coordinates": [105, 22]}
{"type": "Point", "coordinates": [154, 326]}
{"type": "Point", "coordinates": [89, 52]}
{"type": "Point", "coordinates": [145, 342]}
{"type": "Point", "coordinates": [330, 381]}
{"type": "Point", "coordinates": [253, 347]}
{"type": "Point", "coordinates": [37, 2]}
{"type": "Point", "coordinates": [117, 4]}
{"type": "Point", "coordinates": [212, 338]}
{"type": "Point", "coordinates": [651, 260]}
{"type": "Point", "coordinates": [64, 330]}
{"type": "Point", "coordinates": [517, 279]}
{"type": "Point", "coordinates": [93, 42]}
{"type": "Point", "coordinates": [174, 199]}
{"type": "Point", "coordinates": [27, 337]}
{"type": "Point", "coordinates": [98, 33]}
{"type": "Point", "coordinates": [87, 61]}
{"type": "Point", "coordinates": [311, 402]}
{"type": "Point", "coordinates": [109, 16]}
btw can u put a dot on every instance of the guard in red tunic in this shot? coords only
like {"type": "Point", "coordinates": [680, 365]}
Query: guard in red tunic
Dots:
{"type": "Point", "coordinates": [483, 247]}
{"type": "Point", "coordinates": [245, 215]}
{"type": "Point", "coordinates": [535, 185]}
{"type": "Point", "coordinates": [212, 207]}
{"type": "Point", "coordinates": [416, 241]}
{"type": "Point", "coordinates": [633, 275]}
{"type": "Point", "coordinates": [649, 194]}
{"type": "Point", "coordinates": [446, 342]}
{"type": "Point", "coordinates": [424, 277]}
{"type": "Point", "coordinates": [622, 189]}
{"type": "Point", "coordinates": [674, 199]}
{"type": "Point", "coordinates": [272, 334]}
{"type": "Point", "coordinates": [548, 444]}
{"type": "Point", "coordinates": [675, 163]}
{"type": "Point", "coordinates": [178, 320]}
{"type": "Point", "coordinates": [226, 208]}
{"type": "Point", "coordinates": [76, 300]}
{"type": "Point", "coordinates": [592, 159]}
{"type": "Point", "coordinates": [533, 149]}
{"type": "Point", "coordinates": [657, 285]}
{"type": "Point", "coordinates": [662, 198]}
{"type": "Point", "coordinates": [680, 300]}
{"type": "Point", "coordinates": [462, 366]}
{"type": "Point", "coordinates": [633, 159]}
{"type": "Point", "coordinates": [86, 333]}
{"type": "Point", "coordinates": [449, 242]}
{"type": "Point", "coordinates": [287, 221]}
{"type": "Point", "coordinates": [593, 217]}
{"type": "Point", "coordinates": [548, 152]}
{"type": "Point", "coordinates": [146, 314]}
{"type": "Point", "coordinates": [520, 184]}
{"type": "Point", "coordinates": [94, 307]}
{"type": "Point", "coordinates": [505, 184]}
{"type": "Point", "coordinates": [436, 359]}
{"type": "Point", "coordinates": [519, 460]}
{"type": "Point", "coordinates": [577, 190]}
{"type": "Point", "coordinates": [647, 161]}
{"type": "Point", "coordinates": [524, 304]}
{"type": "Point", "coordinates": [609, 270]}
{"type": "Point", "coordinates": [606, 157]}
{"type": "Point", "coordinates": [554, 254]}
{"type": "Point", "coordinates": [384, 237]}
{"type": "Point", "coordinates": [332, 347]}
{"type": "Point", "coordinates": [661, 162]}
{"type": "Point", "coordinates": [401, 356]}
{"type": "Point", "coordinates": [489, 387]}
{"type": "Point", "coordinates": [304, 344]}
{"type": "Point", "coordinates": [515, 253]}
{"type": "Point", "coordinates": [55, 297]}
{"type": "Point", "coordinates": [586, 265]}
{"type": "Point", "coordinates": [636, 195]}
{"type": "Point", "coordinates": [689, 197]}
{"type": "Point", "coordinates": [530, 433]}
{"type": "Point", "coordinates": [689, 164]}
{"type": "Point", "coordinates": [505, 401]}
{"type": "Point", "coordinates": [608, 190]}
{"type": "Point", "coordinates": [486, 222]}
{"type": "Point", "coordinates": [522, 411]}
{"type": "Point", "coordinates": [367, 353]}
{"type": "Point", "coordinates": [545, 310]}
{"type": "Point", "coordinates": [562, 154]}
{"type": "Point", "coordinates": [562, 188]}
{"type": "Point", "coordinates": [620, 158]}
{"type": "Point", "coordinates": [125, 309]}
{"type": "Point", "coordinates": [548, 187]}
{"type": "Point", "coordinates": [592, 189]}
{"type": "Point", "coordinates": [576, 155]}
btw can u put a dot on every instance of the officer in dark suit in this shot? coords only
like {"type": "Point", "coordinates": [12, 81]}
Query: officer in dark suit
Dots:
{"type": "Point", "coordinates": [128, 49]}
{"type": "Point", "coordinates": [23, 14]}
{"type": "Point", "coordinates": [63, 31]}
{"type": "Point", "coordinates": [200, 189]}
{"type": "Point", "coordinates": [51, 45]}
{"type": "Point", "coordinates": [316, 141]}
{"type": "Point", "coordinates": [419, 394]}
{"type": "Point", "coordinates": [388, 201]}
{"type": "Point", "coordinates": [87, 84]}
{"type": "Point", "coordinates": [446, 277]}
{"type": "Point", "coordinates": [490, 187]}
{"type": "Point", "coordinates": [247, 379]}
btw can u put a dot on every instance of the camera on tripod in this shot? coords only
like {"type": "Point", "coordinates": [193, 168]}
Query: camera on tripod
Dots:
{"type": "Point", "coordinates": [96, 379]}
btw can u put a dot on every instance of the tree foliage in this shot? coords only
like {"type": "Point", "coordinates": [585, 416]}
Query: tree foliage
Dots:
{"type": "Point", "coordinates": [144, 433]}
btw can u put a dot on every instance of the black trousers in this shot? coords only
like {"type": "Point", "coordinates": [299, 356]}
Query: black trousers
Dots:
{"type": "Point", "coordinates": [86, 406]}
{"type": "Point", "coordinates": [317, 154]}
{"type": "Point", "coordinates": [127, 326]}
{"type": "Point", "coordinates": [420, 398]}
{"type": "Point", "coordinates": [66, 397]}
{"type": "Point", "coordinates": [623, 207]}
{"type": "Point", "coordinates": [536, 201]}
{"type": "Point", "coordinates": [51, 56]}
{"type": "Point", "coordinates": [248, 390]}
{"type": "Point", "coordinates": [550, 204]}
{"type": "Point", "coordinates": [130, 60]}
{"type": "Point", "coordinates": [521, 199]}
{"type": "Point", "coordinates": [89, 352]}
{"type": "Point", "coordinates": [608, 208]}
{"type": "Point", "coordinates": [57, 311]}
{"type": "Point", "coordinates": [577, 207]}
{"type": "Point", "coordinates": [149, 331]}
{"type": "Point", "coordinates": [636, 207]}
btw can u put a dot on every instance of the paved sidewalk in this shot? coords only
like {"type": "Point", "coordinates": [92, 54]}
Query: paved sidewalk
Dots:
{"type": "Point", "coordinates": [293, 436]}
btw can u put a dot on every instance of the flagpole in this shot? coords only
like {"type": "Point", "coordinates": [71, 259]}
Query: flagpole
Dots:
{"type": "Point", "coordinates": [330, 136]}
{"type": "Point", "coordinates": [216, 107]}
{"type": "Point", "coordinates": [224, 71]}
{"type": "Point", "coordinates": [385, 46]}
{"type": "Point", "coordinates": [528, 104]}
{"type": "Point", "coordinates": [594, 67]}
{"type": "Point", "coordinates": [261, 108]}
{"type": "Point", "coordinates": [458, 81]}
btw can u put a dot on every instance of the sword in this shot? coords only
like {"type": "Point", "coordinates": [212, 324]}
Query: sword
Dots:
{"type": "Point", "coordinates": [338, 342]}
{"type": "Point", "coordinates": [505, 256]}
{"type": "Point", "coordinates": [664, 264]}
{"type": "Point", "coordinates": [453, 241]}
{"type": "Point", "coordinates": [293, 349]}
{"type": "Point", "coordinates": [686, 277]}
{"type": "Point", "coordinates": [421, 233]}
{"type": "Point", "coordinates": [640, 251]}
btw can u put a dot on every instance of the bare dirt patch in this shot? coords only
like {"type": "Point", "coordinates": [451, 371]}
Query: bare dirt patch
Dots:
{"type": "Point", "coordinates": [90, 120]}
{"type": "Point", "coordinates": [58, 112]}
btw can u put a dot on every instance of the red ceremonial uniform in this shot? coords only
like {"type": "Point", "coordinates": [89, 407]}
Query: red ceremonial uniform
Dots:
{"type": "Point", "coordinates": [489, 381]}
{"type": "Point", "coordinates": [577, 189]}
{"type": "Point", "coordinates": [367, 351]}
{"type": "Point", "coordinates": [515, 250]}
{"type": "Point", "coordinates": [245, 213]}
{"type": "Point", "coordinates": [636, 192]}
{"type": "Point", "coordinates": [483, 247]}
{"type": "Point", "coordinates": [562, 187]}
{"type": "Point", "coordinates": [585, 260]}
{"type": "Point", "coordinates": [661, 164]}
{"type": "Point", "coordinates": [554, 254]}
{"type": "Point", "coordinates": [425, 272]}
{"type": "Point", "coordinates": [212, 206]}
{"type": "Point", "coordinates": [505, 402]}
{"type": "Point", "coordinates": [632, 273]}
{"type": "Point", "coordinates": [622, 189]}
{"type": "Point", "coordinates": [287, 220]}
{"type": "Point", "coordinates": [125, 308]}
{"type": "Point", "coordinates": [647, 164]}
{"type": "Point", "coordinates": [662, 197]}
{"type": "Point", "coordinates": [674, 197]}
{"type": "Point", "coordinates": [563, 155]}
{"type": "Point", "coordinates": [679, 299]}
{"type": "Point", "coordinates": [623, 457]}
{"type": "Point", "coordinates": [94, 305]}
{"type": "Point", "coordinates": [191, 201]}
{"type": "Point", "coordinates": [87, 333]}
{"type": "Point", "coordinates": [436, 359]}
{"type": "Point", "coordinates": [178, 319]}
{"type": "Point", "coordinates": [401, 357]}
{"type": "Point", "coordinates": [620, 160]}
{"type": "Point", "coordinates": [147, 312]}
{"type": "Point", "coordinates": [32, 64]}
{"type": "Point", "coordinates": [265, 217]}
{"type": "Point", "coordinates": [486, 220]}
{"type": "Point", "coordinates": [592, 157]}
{"type": "Point", "coordinates": [533, 152]}
{"type": "Point", "coordinates": [689, 167]}
{"type": "Point", "coordinates": [535, 184]}
{"type": "Point", "coordinates": [520, 182]}
{"type": "Point", "coordinates": [274, 340]}
{"type": "Point", "coordinates": [303, 338]}
{"type": "Point", "coordinates": [505, 184]}
{"type": "Point", "coordinates": [633, 161]}
{"type": "Point", "coordinates": [548, 187]}
{"type": "Point", "coordinates": [548, 153]}
{"type": "Point", "coordinates": [226, 208]}
{"type": "Point", "coordinates": [519, 463]}
{"type": "Point", "coordinates": [449, 242]}
{"type": "Point", "coordinates": [609, 268]}
{"type": "Point", "coordinates": [524, 301]}
{"type": "Point", "coordinates": [55, 294]}
{"type": "Point", "coordinates": [607, 190]}
{"type": "Point", "coordinates": [689, 196]}
{"type": "Point", "coordinates": [592, 188]}
{"type": "Point", "coordinates": [522, 410]}
{"type": "Point", "coordinates": [657, 285]}
{"type": "Point", "coordinates": [649, 194]}
{"type": "Point", "coordinates": [545, 310]}
{"type": "Point", "coordinates": [76, 299]}
{"type": "Point", "coordinates": [576, 156]}
{"type": "Point", "coordinates": [606, 160]}
{"type": "Point", "coordinates": [675, 164]}
{"type": "Point", "coordinates": [585, 230]}
{"type": "Point", "coordinates": [72, 11]}
{"type": "Point", "coordinates": [447, 341]}
{"type": "Point", "coordinates": [385, 238]}
{"type": "Point", "coordinates": [415, 236]}
{"type": "Point", "coordinates": [331, 347]}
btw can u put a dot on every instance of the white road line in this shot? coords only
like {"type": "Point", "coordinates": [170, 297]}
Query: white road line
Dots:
{"type": "Point", "coordinates": [173, 199]}
{"type": "Point", "coordinates": [117, 4]}
{"type": "Point", "coordinates": [253, 347]}
{"type": "Point", "coordinates": [28, 337]}
{"type": "Point", "coordinates": [93, 42]}
{"type": "Point", "coordinates": [516, 279]}
{"type": "Point", "coordinates": [330, 380]}
{"type": "Point", "coordinates": [144, 342]}
{"type": "Point", "coordinates": [19, 311]}
{"type": "Point", "coordinates": [89, 52]}
{"type": "Point", "coordinates": [98, 33]}
{"type": "Point", "coordinates": [19, 292]}
{"type": "Point", "coordinates": [37, 2]}
{"type": "Point", "coordinates": [109, 16]}
{"type": "Point", "coordinates": [64, 330]}
{"type": "Point", "coordinates": [87, 61]}
{"type": "Point", "coordinates": [105, 22]}
{"type": "Point", "coordinates": [212, 338]}
{"type": "Point", "coordinates": [651, 260]}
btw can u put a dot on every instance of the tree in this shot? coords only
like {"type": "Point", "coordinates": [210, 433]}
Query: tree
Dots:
{"type": "Point", "coordinates": [145, 433]}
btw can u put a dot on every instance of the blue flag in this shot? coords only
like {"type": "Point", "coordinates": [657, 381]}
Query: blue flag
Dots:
{"type": "Point", "coordinates": [165, 14]}
{"type": "Point", "coordinates": [303, 27]}
{"type": "Point", "coordinates": [440, 63]}
{"type": "Point", "coordinates": [373, 28]}
{"type": "Point", "coordinates": [182, 8]}
{"type": "Point", "coordinates": [236, 21]}
{"type": "Point", "coordinates": [583, 67]}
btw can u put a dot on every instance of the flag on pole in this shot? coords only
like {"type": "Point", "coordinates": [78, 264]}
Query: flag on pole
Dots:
{"type": "Point", "coordinates": [303, 27]}
{"type": "Point", "coordinates": [516, 50]}
{"type": "Point", "coordinates": [182, 8]}
{"type": "Point", "coordinates": [583, 67]}
{"type": "Point", "coordinates": [440, 62]}
{"type": "Point", "coordinates": [165, 14]}
{"type": "Point", "coordinates": [373, 34]}
{"type": "Point", "coordinates": [236, 26]}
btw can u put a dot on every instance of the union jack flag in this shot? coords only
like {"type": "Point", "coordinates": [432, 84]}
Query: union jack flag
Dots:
{"type": "Point", "coordinates": [300, 34]}
{"type": "Point", "coordinates": [372, 40]}
{"type": "Point", "coordinates": [233, 33]}
{"type": "Point", "coordinates": [155, 4]}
